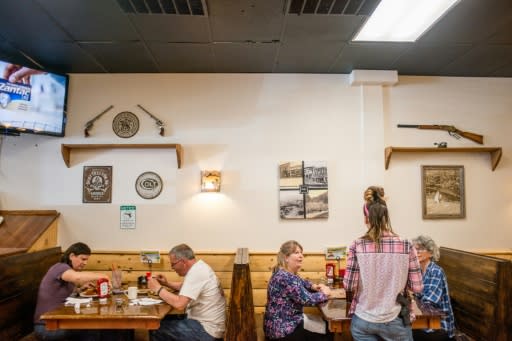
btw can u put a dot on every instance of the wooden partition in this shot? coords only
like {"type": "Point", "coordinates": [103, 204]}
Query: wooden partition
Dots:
{"type": "Point", "coordinates": [20, 276]}
{"type": "Point", "coordinates": [240, 318]}
{"type": "Point", "coordinates": [481, 293]}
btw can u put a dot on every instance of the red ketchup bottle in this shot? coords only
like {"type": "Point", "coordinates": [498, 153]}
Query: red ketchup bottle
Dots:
{"type": "Point", "coordinates": [102, 288]}
{"type": "Point", "coordinates": [329, 273]}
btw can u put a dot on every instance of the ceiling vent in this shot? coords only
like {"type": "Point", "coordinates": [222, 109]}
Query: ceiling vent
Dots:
{"type": "Point", "coordinates": [178, 7]}
{"type": "Point", "coordinates": [334, 7]}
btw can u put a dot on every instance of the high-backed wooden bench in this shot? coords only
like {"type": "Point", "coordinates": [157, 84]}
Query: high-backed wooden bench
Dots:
{"type": "Point", "coordinates": [481, 293]}
{"type": "Point", "coordinates": [20, 276]}
{"type": "Point", "coordinates": [223, 263]}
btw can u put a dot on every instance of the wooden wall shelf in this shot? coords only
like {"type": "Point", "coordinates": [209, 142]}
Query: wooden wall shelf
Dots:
{"type": "Point", "coordinates": [494, 152]}
{"type": "Point", "coordinates": [66, 149]}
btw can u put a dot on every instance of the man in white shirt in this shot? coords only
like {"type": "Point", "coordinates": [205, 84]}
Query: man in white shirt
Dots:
{"type": "Point", "coordinates": [200, 294]}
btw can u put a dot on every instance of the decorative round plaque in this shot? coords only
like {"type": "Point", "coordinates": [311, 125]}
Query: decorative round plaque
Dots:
{"type": "Point", "coordinates": [149, 185]}
{"type": "Point", "coordinates": [125, 124]}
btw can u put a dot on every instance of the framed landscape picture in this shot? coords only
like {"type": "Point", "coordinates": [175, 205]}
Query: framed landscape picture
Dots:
{"type": "Point", "coordinates": [443, 192]}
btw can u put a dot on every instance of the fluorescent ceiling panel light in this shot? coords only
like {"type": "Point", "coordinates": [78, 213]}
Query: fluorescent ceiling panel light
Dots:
{"type": "Point", "coordinates": [402, 20]}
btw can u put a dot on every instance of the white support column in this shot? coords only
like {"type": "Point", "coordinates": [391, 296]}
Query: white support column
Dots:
{"type": "Point", "coordinates": [372, 133]}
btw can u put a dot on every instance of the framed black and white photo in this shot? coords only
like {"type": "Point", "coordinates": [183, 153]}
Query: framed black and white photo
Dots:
{"type": "Point", "coordinates": [303, 190]}
{"type": "Point", "coordinates": [443, 192]}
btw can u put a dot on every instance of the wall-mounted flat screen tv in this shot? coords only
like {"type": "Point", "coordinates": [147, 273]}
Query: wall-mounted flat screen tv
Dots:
{"type": "Point", "coordinates": [32, 101]}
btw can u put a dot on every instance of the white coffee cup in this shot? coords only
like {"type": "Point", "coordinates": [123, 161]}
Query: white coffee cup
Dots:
{"type": "Point", "coordinates": [132, 293]}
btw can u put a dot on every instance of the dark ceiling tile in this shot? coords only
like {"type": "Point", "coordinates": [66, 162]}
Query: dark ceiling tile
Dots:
{"type": "Point", "coordinates": [244, 57]}
{"type": "Point", "coordinates": [321, 27]}
{"type": "Point", "coordinates": [428, 59]}
{"type": "Point", "coordinates": [480, 61]}
{"type": "Point", "coordinates": [369, 56]}
{"type": "Point", "coordinates": [122, 57]}
{"type": "Point", "coordinates": [183, 57]}
{"type": "Point", "coordinates": [308, 56]}
{"type": "Point", "coordinates": [83, 36]}
{"type": "Point", "coordinates": [57, 57]}
{"type": "Point", "coordinates": [173, 28]}
{"type": "Point", "coordinates": [9, 54]}
{"type": "Point", "coordinates": [469, 21]}
{"type": "Point", "coordinates": [246, 20]}
{"type": "Point", "coordinates": [91, 20]}
{"type": "Point", "coordinates": [25, 22]}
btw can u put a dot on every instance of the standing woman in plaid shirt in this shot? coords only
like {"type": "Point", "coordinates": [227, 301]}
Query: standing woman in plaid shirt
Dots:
{"type": "Point", "coordinates": [435, 290]}
{"type": "Point", "coordinates": [379, 266]}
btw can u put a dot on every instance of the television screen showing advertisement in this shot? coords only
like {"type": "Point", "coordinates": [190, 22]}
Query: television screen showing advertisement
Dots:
{"type": "Point", "coordinates": [32, 101]}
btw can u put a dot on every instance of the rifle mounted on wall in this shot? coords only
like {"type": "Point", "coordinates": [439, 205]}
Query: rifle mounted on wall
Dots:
{"type": "Point", "coordinates": [450, 129]}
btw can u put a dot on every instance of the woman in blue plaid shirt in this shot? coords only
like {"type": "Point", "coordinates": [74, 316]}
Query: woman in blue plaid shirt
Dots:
{"type": "Point", "coordinates": [435, 290]}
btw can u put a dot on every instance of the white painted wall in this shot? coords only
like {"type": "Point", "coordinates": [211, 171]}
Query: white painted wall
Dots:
{"type": "Point", "coordinates": [243, 125]}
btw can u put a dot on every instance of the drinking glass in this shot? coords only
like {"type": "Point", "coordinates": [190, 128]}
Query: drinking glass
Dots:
{"type": "Point", "coordinates": [117, 277]}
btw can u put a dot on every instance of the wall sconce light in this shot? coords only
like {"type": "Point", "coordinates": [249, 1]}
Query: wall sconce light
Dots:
{"type": "Point", "coordinates": [210, 181]}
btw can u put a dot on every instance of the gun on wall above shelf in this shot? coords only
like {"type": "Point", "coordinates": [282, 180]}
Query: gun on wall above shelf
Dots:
{"type": "Point", "coordinates": [450, 129]}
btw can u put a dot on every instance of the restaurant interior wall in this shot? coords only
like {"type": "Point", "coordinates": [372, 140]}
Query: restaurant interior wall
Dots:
{"type": "Point", "coordinates": [245, 124]}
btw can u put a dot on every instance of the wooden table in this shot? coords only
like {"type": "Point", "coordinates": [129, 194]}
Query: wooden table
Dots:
{"type": "Point", "coordinates": [107, 316]}
{"type": "Point", "coordinates": [334, 312]}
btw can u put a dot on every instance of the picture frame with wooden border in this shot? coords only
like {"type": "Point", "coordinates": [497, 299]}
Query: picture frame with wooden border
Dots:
{"type": "Point", "coordinates": [443, 192]}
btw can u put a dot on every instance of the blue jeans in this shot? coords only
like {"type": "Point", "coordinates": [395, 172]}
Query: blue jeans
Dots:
{"type": "Point", "coordinates": [172, 329]}
{"type": "Point", "coordinates": [390, 331]}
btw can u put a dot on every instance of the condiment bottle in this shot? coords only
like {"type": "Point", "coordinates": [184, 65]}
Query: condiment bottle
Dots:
{"type": "Point", "coordinates": [329, 272]}
{"type": "Point", "coordinates": [102, 288]}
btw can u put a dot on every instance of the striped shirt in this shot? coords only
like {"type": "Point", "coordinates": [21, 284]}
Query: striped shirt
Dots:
{"type": "Point", "coordinates": [376, 273]}
{"type": "Point", "coordinates": [435, 292]}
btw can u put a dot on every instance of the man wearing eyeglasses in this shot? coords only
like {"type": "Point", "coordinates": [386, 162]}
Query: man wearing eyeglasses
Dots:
{"type": "Point", "coordinates": [200, 294]}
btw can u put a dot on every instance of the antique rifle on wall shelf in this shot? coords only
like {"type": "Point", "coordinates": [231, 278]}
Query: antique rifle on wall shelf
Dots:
{"type": "Point", "coordinates": [450, 129]}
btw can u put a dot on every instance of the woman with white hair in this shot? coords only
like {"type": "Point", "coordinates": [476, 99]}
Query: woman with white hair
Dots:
{"type": "Point", "coordinates": [435, 290]}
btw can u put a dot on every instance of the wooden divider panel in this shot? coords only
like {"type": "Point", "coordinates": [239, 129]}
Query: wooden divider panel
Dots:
{"type": "Point", "coordinates": [20, 278]}
{"type": "Point", "coordinates": [481, 293]}
{"type": "Point", "coordinates": [241, 324]}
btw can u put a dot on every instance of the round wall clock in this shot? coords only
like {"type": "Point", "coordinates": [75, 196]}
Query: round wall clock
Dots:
{"type": "Point", "coordinates": [125, 124]}
{"type": "Point", "coordinates": [149, 185]}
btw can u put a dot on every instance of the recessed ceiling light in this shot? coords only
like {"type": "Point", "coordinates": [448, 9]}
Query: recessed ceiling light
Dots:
{"type": "Point", "coordinates": [403, 20]}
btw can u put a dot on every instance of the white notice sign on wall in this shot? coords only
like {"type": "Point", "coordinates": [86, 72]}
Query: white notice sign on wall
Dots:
{"type": "Point", "coordinates": [127, 218]}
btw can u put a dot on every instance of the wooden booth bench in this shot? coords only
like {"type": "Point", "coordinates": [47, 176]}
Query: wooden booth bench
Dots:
{"type": "Point", "coordinates": [481, 293]}
{"type": "Point", "coordinates": [480, 287]}
{"type": "Point", "coordinates": [20, 276]}
{"type": "Point", "coordinates": [253, 276]}
{"type": "Point", "coordinates": [28, 241]}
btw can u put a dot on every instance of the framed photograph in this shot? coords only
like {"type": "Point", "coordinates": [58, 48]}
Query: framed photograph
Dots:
{"type": "Point", "coordinates": [97, 184]}
{"type": "Point", "coordinates": [303, 190]}
{"type": "Point", "coordinates": [335, 252]}
{"type": "Point", "coordinates": [443, 192]}
{"type": "Point", "coordinates": [150, 257]}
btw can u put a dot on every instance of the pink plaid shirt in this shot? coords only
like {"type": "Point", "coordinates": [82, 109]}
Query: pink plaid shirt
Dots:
{"type": "Point", "coordinates": [376, 273]}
